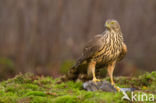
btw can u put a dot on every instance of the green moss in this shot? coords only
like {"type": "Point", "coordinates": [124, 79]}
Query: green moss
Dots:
{"type": "Point", "coordinates": [39, 99]}
{"type": "Point", "coordinates": [66, 99]}
{"type": "Point", "coordinates": [36, 93]}
{"type": "Point", "coordinates": [8, 99]}
{"type": "Point", "coordinates": [36, 89]}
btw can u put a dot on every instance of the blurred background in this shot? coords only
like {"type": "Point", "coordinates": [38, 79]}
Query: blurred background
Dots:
{"type": "Point", "coordinates": [45, 36]}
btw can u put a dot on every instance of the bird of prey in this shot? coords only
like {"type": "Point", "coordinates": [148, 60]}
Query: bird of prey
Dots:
{"type": "Point", "coordinates": [106, 48]}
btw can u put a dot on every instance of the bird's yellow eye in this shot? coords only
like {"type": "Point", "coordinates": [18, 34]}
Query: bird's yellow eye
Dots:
{"type": "Point", "coordinates": [112, 22]}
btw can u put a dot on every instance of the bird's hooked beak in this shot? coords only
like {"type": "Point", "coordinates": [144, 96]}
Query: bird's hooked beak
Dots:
{"type": "Point", "coordinates": [107, 25]}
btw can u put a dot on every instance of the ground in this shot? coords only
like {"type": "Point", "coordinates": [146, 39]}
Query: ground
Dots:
{"type": "Point", "coordinates": [29, 88]}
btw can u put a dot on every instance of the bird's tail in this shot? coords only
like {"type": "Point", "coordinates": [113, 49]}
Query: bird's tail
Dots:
{"type": "Point", "coordinates": [73, 72]}
{"type": "Point", "coordinates": [71, 75]}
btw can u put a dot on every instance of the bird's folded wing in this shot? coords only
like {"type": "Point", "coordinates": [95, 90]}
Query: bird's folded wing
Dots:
{"type": "Point", "coordinates": [92, 47]}
{"type": "Point", "coordinates": [123, 52]}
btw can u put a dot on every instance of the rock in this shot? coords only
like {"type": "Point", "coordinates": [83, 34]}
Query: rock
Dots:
{"type": "Point", "coordinates": [101, 85]}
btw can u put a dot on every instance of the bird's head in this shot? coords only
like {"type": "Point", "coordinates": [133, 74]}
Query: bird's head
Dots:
{"type": "Point", "coordinates": [112, 25]}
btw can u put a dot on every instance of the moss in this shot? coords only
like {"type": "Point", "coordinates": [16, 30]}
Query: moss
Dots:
{"type": "Point", "coordinates": [36, 93]}
{"type": "Point", "coordinates": [66, 99]}
{"type": "Point", "coordinates": [40, 89]}
{"type": "Point", "coordinates": [8, 99]}
{"type": "Point", "coordinates": [39, 99]}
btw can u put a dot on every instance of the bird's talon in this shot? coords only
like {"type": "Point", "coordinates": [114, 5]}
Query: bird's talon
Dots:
{"type": "Point", "coordinates": [96, 80]}
{"type": "Point", "coordinates": [112, 84]}
{"type": "Point", "coordinates": [116, 87]}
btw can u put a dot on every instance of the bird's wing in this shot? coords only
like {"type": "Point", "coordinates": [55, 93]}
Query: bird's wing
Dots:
{"type": "Point", "coordinates": [92, 47]}
{"type": "Point", "coordinates": [123, 52]}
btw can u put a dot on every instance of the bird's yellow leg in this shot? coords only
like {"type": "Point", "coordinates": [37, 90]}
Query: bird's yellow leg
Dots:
{"type": "Point", "coordinates": [110, 73]}
{"type": "Point", "coordinates": [91, 69]}
{"type": "Point", "coordinates": [94, 77]}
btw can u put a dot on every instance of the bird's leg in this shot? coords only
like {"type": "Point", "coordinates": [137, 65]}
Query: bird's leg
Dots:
{"type": "Point", "coordinates": [94, 77]}
{"type": "Point", "coordinates": [110, 70]}
{"type": "Point", "coordinates": [91, 68]}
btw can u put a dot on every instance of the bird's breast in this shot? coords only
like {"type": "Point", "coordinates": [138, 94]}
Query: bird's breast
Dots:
{"type": "Point", "coordinates": [108, 54]}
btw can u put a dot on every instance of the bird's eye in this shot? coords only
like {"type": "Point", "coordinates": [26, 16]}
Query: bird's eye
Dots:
{"type": "Point", "coordinates": [112, 22]}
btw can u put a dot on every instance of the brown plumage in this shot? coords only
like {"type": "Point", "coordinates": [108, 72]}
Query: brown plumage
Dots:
{"type": "Point", "coordinates": [105, 49]}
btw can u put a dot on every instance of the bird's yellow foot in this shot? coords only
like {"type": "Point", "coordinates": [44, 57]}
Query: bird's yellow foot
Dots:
{"type": "Point", "coordinates": [116, 87]}
{"type": "Point", "coordinates": [95, 80]}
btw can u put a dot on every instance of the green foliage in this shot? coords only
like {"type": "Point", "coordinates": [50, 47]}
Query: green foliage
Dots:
{"type": "Point", "coordinates": [29, 88]}
{"type": "Point", "coordinates": [66, 65]}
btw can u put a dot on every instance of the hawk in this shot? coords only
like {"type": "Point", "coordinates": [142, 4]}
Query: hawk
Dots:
{"type": "Point", "coordinates": [105, 49]}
